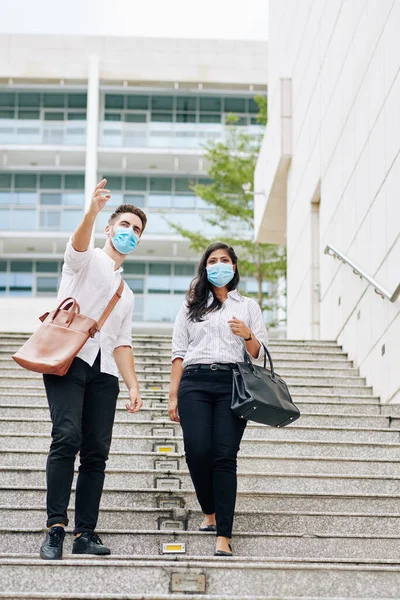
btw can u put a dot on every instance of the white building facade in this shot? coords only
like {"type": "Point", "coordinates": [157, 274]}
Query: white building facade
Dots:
{"type": "Point", "coordinates": [136, 111]}
{"type": "Point", "coordinates": [329, 174]}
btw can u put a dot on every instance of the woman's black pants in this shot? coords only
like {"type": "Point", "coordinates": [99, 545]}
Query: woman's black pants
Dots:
{"type": "Point", "coordinates": [212, 435]}
{"type": "Point", "coordinates": [82, 407]}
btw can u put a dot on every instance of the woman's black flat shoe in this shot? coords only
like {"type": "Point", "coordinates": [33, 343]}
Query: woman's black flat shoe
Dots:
{"type": "Point", "coordinates": [209, 528]}
{"type": "Point", "coordinates": [223, 553]}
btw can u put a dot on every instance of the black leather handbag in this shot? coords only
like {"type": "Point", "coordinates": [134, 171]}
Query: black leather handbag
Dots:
{"type": "Point", "coordinates": [259, 394]}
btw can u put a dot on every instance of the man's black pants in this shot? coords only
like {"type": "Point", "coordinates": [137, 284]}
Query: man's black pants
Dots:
{"type": "Point", "coordinates": [212, 435]}
{"type": "Point", "coordinates": [82, 407]}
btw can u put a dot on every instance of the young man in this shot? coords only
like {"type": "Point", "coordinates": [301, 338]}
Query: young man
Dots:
{"type": "Point", "coordinates": [83, 402]}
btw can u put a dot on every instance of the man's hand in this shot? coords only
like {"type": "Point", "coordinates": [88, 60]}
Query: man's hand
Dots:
{"type": "Point", "coordinates": [100, 198]}
{"type": "Point", "coordinates": [135, 402]}
{"type": "Point", "coordinates": [239, 328]}
{"type": "Point", "coordinates": [173, 409]}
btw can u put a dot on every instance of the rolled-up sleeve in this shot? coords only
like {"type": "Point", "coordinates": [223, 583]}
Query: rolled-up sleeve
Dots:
{"type": "Point", "coordinates": [124, 337]}
{"type": "Point", "coordinates": [180, 336]}
{"type": "Point", "coordinates": [257, 326]}
{"type": "Point", "coordinates": [74, 260]}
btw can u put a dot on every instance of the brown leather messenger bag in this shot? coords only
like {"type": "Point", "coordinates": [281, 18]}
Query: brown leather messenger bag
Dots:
{"type": "Point", "coordinates": [63, 332]}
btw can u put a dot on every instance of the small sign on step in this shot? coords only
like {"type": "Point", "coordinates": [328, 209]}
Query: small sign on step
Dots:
{"type": "Point", "coordinates": [173, 548]}
{"type": "Point", "coordinates": [172, 502]}
{"type": "Point", "coordinates": [168, 483]}
{"type": "Point", "coordinates": [164, 448]}
{"type": "Point", "coordinates": [188, 582]}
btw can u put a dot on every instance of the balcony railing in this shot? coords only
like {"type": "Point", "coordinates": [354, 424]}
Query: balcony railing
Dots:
{"type": "Point", "coordinates": [35, 132]}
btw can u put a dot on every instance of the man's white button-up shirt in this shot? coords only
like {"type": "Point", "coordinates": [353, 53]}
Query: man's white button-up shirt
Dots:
{"type": "Point", "coordinates": [90, 277]}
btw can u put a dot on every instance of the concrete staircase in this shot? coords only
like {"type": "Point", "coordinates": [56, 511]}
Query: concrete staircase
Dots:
{"type": "Point", "coordinates": [318, 503]}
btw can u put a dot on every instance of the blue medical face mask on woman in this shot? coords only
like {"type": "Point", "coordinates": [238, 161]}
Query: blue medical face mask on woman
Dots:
{"type": "Point", "coordinates": [125, 240]}
{"type": "Point", "coordinates": [220, 274]}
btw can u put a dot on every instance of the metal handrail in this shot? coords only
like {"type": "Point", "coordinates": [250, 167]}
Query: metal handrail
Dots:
{"type": "Point", "coordinates": [381, 291]}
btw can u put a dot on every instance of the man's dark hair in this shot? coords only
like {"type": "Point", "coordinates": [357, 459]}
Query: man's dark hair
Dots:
{"type": "Point", "coordinates": [128, 208]}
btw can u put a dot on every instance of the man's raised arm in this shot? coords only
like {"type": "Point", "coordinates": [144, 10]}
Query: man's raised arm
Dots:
{"type": "Point", "coordinates": [83, 233]}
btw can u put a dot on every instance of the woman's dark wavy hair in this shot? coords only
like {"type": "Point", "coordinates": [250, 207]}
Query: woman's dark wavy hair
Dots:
{"type": "Point", "coordinates": [200, 288]}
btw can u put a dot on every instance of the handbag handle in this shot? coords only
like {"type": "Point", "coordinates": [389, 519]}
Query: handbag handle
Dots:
{"type": "Point", "coordinates": [72, 308]}
{"type": "Point", "coordinates": [266, 353]}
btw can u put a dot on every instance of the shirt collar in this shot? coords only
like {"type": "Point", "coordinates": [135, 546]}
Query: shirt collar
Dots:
{"type": "Point", "coordinates": [233, 295]}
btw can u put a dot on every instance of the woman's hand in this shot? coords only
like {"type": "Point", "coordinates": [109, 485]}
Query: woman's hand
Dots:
{"type": "Point", "coordinates": [173, 409]}
{"type": "Point", "coordinates": [135, 402]}
{"type": "Point", "coordinates": [239, 328]}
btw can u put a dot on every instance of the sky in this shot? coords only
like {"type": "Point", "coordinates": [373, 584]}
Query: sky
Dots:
{"type": "Point", "coordinates": [210, 19]}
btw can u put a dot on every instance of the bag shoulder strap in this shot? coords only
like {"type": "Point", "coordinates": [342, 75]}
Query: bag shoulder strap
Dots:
{"type": "Point", "coordinates": [109, 308]}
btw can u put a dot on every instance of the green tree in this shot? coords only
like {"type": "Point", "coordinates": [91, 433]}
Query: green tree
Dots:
{"type": "Point", "coordinates": [231, 163]}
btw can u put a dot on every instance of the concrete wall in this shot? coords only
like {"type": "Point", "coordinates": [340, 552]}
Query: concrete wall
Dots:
{"type": "Point", "coordinates": [343, 58]}
{"type": "Point", "coordinates": [134, 59]}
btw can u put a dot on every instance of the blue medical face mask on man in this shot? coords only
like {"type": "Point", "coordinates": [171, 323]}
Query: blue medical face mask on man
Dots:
{"type": "Point", "coordinates": [125, 240]}
{"type": "Point", "coordinates": [220, 274]}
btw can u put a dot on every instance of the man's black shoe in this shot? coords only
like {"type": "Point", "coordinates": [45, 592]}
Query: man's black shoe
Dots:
{"type": "Point", "coordinates": [52, 546]}
{"type": "Point", "coordinates": [89, 543]}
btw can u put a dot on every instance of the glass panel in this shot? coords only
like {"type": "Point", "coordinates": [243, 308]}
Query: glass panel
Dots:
{"type": "Point", "coordinates": [7, 114]}
{"type": "Point", "coordinates": [3, 283]}
{"type": "Point", "coordinates": [28, 114]}
{"type": "Point", "coordinates": [112, 117]}
{"type": "Point", "coordinates": [5, 180]}
{"type": "Point", "coordinates": [114, 183]}
{"type": "Point", "coordinates": [210, 104]}
{"type": "Point", "coordinates": [162, 117]}
{"type": "Point", "coordinates": [134, 268]}
{"type": "Point", "coordinates": [183, 184]}
{"type": "Point", "coordinates": [70, 219]}
{"type": "Point", "coordinates": [138, 308]}
{"type": "Point", "coordinates": [184, 269]}
{"type": "Point", "coordinates": [6, 198]}
{"type": "Point", "coordinates": [114, 101]}
{"type": "Point", "coordinates": [138, 102]}
{"type": "Point", "coordinates": [158, 285]}
{"type": "Point", "coordinates": [77, 100]}
{"type": "Point", "coordinates": [46, 266]}
{"type": "Point", "coordinates": [116, 198]}
{"type": "Point", "coordinates": [78, 116]}
{"type": "Point", "coordinates": [159, 269]}
{"type": "Point", "coordinates": [53, 116]}
{"type": "Point", "coordinates": [185, 118]}
{"type": "Point", "coordinates": [135, 199]}
{"type": "Point", "coordinates": [50, 199]}
{"type": "Point", "coordinates": [181, 284]}
{"type": "Point", "coordinates": [135, 118]}
{"type": "Point", "coordinates": [7, 99]}
{"type": "Point", "coordinates": [50, 219]}
{"type": "Point", "coordinates": [55, 100]}
{"type": "Point", "coordinates": [102, 220]}
{"type": "Point", "coordinates": [21, 284]}
{"type": "Point", "coordinates": [21, 266]}
{"type": "Point", "coordinates": [163, 308]}
{"type": "Point", "coordinates": [159, 200]}
{"type": "Point", "coordinates": [253, 106]}
{"type": "Point", "coordinates": [30, 99]}
{"type": "Point", "coordinates": [136, 285]}
{"type": "Point", "coordinates": [161, 184]}
{"type": "Point", "coordinates": [25, 198]}
{"type": "Point", "coordinates": [3, 266]}
{"type": "Point", "coordinates": [186, 103]}
{"type": "Point", "coordinates": [24, 220]}
{"type": "Point", "coordinates": [49, 182]}
{"type": "Point", "coordinates": [25, 181]}
{"type": "Point", "coordinates": [46, 285]}
{"type": "Point", "coordinates": [73, 199]}
{"type": "Point", "coordinates": [162, 102]}
{"type": "Point", "coordinates": [135, 183]}
{"type": "Point", "coordinates": [74, 182]}
{"type": "Point", "coordinates": [235, 105]}
{"type": "Point", "coordinates": [204, 118]}
{"type": "Point", "coordinates": [185, 201]}
{"type": "Point", "coordinates": [5, 219]}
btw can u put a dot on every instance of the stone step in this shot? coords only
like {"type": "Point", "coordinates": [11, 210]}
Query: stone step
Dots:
{"type": "Point", "coordinates": [143, 423]}
{"type": "Point", "coordinates": [176, 520]}
{"type": "Point", "coordinates": [246, 463]}
{"type": "Point", "coordinates": [37, 406]}
{"type": "Point", "coordinates": [265, 580]}
{"type": "Point", "coordinates": [255, 544]}
{"type": "Point", "coordinates": [274, 447]}
{"type": "Point", "coordinates": [261, 482]}
{"type": "Point", "coordinates": [254, 431]}
{"type": "Point", "coordinates": [303, 501]}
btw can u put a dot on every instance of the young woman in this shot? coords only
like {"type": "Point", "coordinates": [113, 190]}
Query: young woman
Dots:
{"type": "Point", "coordinates": [212, 330]}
